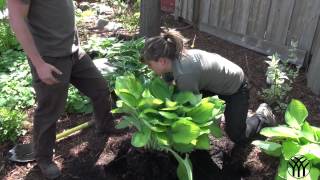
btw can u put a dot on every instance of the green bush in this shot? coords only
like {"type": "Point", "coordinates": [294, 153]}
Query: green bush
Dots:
{"type": "Point", "coordinates": [10, 124]}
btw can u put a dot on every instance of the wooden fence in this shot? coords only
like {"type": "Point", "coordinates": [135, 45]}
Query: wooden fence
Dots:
{"type": "Point", "coordinates": [266, 26]}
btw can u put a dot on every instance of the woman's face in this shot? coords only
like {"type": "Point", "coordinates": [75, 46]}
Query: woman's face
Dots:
{"type": "Point", "coordinates": [159, 67]}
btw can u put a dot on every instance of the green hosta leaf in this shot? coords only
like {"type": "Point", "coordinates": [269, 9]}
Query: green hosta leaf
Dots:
{"type": "Point", "coordinates": [184, 131]}
{"type": "Point", "coordinates": [313, 174]}
{"type": "Point", "coordinates": [270, 148]}
{"type": "Point", "coordinates": [163, 139]}
{"type": "Point", "coordinates": [280, 132]}
{"type": "Point", "coordinates": [183, 148]}
{"type": "Point", "coordinates": [219, 106]}
{"type": "Point", "coordinates": [203, 142]}
{"type": "Point", "coordinates": [160, 89]}
{"type": "Point", "coordinates": [296, 114]}
{"type": "Point", "coordinates": [158, 122]}
{"type": "Point", "coordinates": [308, 133]}
{"type": "Point", "coordinates": [282, 169]}
{"type": "Point", "coordinates": [128, 98]}
{"type": "Point", "coordinates": [141, 138]}
{"type": "Point", "coordinates": [168, 115]}
{"type": "Point", "coordinates": [131, 84]}
{"type": "Point", "coordinates": [290, 149]}
{"type": "Point", "coordinates": [215, 130]}
{"type": "Point", "coordinates": [187, 96]}
{"type": "Point", "coordinates": [123, 108]}
{"type": "Point", "coordinates": [184, 170]}
{"type": "Point", "coordinates": [149, 103]}
{"type": "Point", "coordinates": [171, 104]}
{"type": "Point", "coordinates": [311, 151]}
{"type": "Point", "coordinates": [316, 131]}
{"type": "Point", "coordinates": [201, 113]}
{"type": "Point", "coordinates": [125, 122]}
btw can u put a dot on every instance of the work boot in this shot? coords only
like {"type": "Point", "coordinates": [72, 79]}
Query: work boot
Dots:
{"type": "Point", "coordinates": [264, 112]}
{"type": "Point", "coordinates": [108, 129]}
{"type": "Point", "coordinates": [50, 170]}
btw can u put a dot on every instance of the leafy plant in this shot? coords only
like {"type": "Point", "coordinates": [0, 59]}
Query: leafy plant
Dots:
{"type": "Point", "coordinates": [7, 38]}
{"type": "Point", "coordinates": [10, 124]}
{"type": "Point", "coordinates": [15, 81]}
{"type": "Point", "coordinates": [124, 55]}
{"type": "Point", "coordinates": [296, 137]}
{"type": "Point", "coordinates": [165, 120]}
{"type": "Point", "coordinates": [280, 76]}
{"type": "Point", "coordinates": [77, 103]}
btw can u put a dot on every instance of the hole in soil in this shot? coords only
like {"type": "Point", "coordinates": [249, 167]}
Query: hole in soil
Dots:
{"type": "Point", "coordinates": [137, 164]}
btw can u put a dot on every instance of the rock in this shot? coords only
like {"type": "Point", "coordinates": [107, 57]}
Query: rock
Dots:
{"type": "Point", "coordinates": [113, 26]}
{"type": "Point", "coordinates": [104, 66]}
{"type": "Point", "coordinates": [104, 10]}
{"type": "Point", "coordinates": [84, 6]}
{"type": "Point", "coordinates": [101, 23]}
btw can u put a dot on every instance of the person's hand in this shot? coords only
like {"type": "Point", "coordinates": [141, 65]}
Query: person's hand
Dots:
{"type": "Point", "coordinates": [45, 73]}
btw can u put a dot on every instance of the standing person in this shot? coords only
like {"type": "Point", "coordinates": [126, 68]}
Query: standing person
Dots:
{"type": "Point", "coordinates": [210, 74]}
{"type": "Point", "coordinates": [47, 33]}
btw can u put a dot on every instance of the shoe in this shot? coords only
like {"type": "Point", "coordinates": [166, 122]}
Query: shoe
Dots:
{"type": "Point", "coordinates": [107, 129]}
{"type": "Point", "coordinates": [264, 113]}
{"type": "Point", "coordinates": [50, 170]}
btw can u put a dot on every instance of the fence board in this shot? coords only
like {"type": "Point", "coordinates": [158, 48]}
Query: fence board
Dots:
{"type": "Point", "coordinates": [190, 10]}
{"type": "Point", "coordinates": [256, 44]}
{"type": "Point", "coordinates": [313, 71]}
{"type": "Point", "coordinates": [279, 19]}
{"type": "Point", "coordinates": [304, 23]}
{"type": "Point", "coordinates": [184, 9]}
{"type": "Point", "coordinates": [214, 12]}
{"type": "Point", "coordinates": [205, 11]}
{"type": "Point", "coordinates": [258, 18]}
{"type": "Point", "coordinates": [241, 16]}
{"type": "Point", "coordinates": [226, 12]}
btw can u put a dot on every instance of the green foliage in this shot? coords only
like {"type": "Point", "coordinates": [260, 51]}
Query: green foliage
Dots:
{"type": "Point", "coordinates": [10, 124]}
{"type": "Point", "coordinates": [281, 77]}
{"type": "Point", "coordinates": [124, 55]}
{"type": "Point", "coordinates": [78, 103]}
{"type": "Point", "coordinates": [15, 81]}
{"type": "Point", "coordinates": [128, 15]}
{"type": "Point", "coordinates": [296, 137]}
{"type": "Point", "coordinates": [166, 120]}
{"type": "Point", "coordinates": [7, 38]}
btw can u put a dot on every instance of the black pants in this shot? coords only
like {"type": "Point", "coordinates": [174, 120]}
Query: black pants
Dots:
{"type": "Point", "coordinates": [238, 127]}
{"type": "Point", "coordinates": [83, 74]}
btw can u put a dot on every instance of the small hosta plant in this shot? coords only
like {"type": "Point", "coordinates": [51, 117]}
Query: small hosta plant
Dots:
{"type": "Point", "coordinates": [176, 122]}
{"type": "Point", "coordinates": [296, 138]}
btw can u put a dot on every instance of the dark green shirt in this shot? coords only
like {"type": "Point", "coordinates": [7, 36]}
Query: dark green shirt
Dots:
{"type": "Point", "coordinates": [200, 70]}
{"type": "Point", "coordinates": [52, 25]}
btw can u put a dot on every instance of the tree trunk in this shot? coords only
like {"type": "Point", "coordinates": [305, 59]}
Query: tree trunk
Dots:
{"type": "Point", "coordinates": [150, 18]}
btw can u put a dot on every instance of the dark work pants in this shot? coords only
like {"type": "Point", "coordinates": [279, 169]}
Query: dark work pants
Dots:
{"type": "Point", "coordinates": [238, 127]}
{"type": "Point", "coordinates": [51, 99]}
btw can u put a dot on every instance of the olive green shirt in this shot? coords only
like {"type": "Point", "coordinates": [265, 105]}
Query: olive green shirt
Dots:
{"type": "Point", "coordinates": [198, 70]}
{"type": "Point", "coordinates": [52, 25]}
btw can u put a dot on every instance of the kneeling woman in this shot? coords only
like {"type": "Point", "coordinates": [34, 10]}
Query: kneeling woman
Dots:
{"type": "Point", "coordinates": [210, 74]}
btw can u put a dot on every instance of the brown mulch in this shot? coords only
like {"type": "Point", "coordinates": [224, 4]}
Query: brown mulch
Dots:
{"type": "Point", "coordinates": [86, 156]}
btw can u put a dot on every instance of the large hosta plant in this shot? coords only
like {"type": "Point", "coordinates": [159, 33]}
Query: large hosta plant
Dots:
{"type": "Point", "coordinates": [297, 137]}
{"type": "Point", "coordinates": [176, 122]}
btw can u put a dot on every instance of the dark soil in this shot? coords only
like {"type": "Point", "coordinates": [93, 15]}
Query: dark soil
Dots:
{"type": "Point", "coordinates": [86, 156]}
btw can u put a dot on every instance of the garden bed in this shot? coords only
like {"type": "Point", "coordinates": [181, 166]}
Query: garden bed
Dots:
{"type": "Point", "coordinates": [86, 156]}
